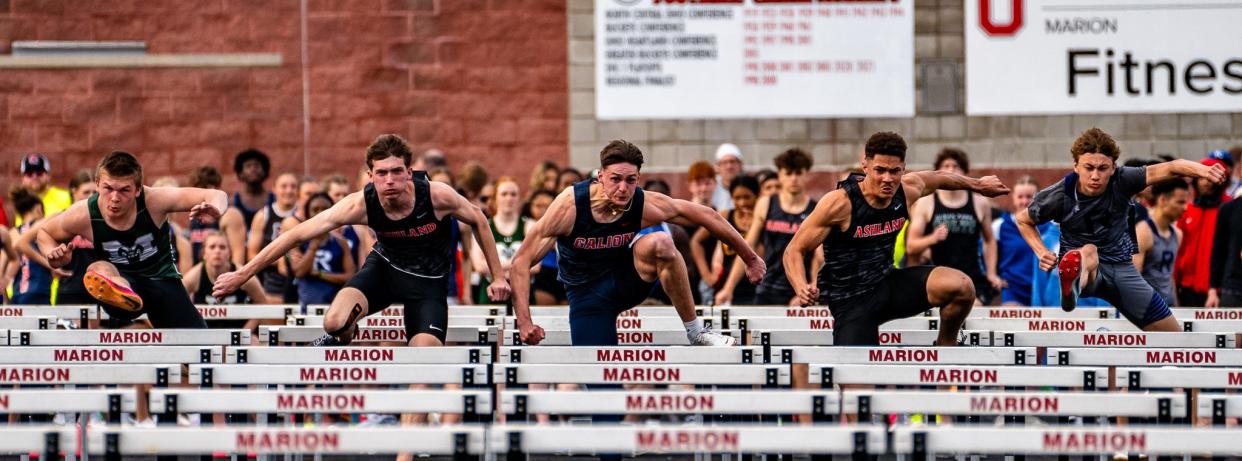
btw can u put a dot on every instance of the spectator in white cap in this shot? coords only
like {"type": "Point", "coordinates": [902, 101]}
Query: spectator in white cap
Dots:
{"type": "Point", "coordinates": [37, 176]}
{"type": "Point", "coordinates": [728, 166]}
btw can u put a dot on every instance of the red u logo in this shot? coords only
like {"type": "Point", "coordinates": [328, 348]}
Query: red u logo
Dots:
{"type": "Point", "coordinates": [993, 29]}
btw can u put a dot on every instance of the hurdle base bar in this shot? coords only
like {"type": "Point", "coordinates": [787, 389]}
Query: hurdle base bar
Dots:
{"type": "Point", "coordinates": [515, 452]}
{"type": "Point", "coordinates": [51, 446]}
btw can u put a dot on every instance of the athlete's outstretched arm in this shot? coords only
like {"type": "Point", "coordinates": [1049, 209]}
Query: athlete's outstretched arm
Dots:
{"type": "Point", "coordinates": [540, 236]}
{"type": "Point", "coordinates": [661, 208]}
{"type": "Point", "coordinates": [198, 202]}
{"type": "Point", "coordinates": [922, 183]}
{"type": "Point", "coordinates": [1030, 233]}
{"type": "Point", "coordinates": [447, 200]}
{"type": "Point", "coordinates": [350, 210]}
{"type": "Point", "coordinates": [54, 233]}
{"type": "Point", "coordinates": [832, 211]}
{"type": "Point", "coordinates": [1185, 168]}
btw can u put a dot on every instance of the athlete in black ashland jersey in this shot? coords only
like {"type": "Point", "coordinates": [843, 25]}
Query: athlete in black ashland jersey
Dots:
{"type": "Point", "coordinates": [128, 224]}
{"type": "Point", "coordinates": [409, 263]}
{"type": "Point", "coordinates": [858, 225]}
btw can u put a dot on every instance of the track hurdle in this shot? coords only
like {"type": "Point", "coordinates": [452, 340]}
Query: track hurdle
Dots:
{"type": "Point", "coordinates": [867, 403]}
{"type": "Point", "coordinates": [520, 404]}
{"type": "Point", "coordinates": [1090, 378]}
{"type": "Point", "coordinates": [322, 355]}
{"type": "Point", "coordinates": [159, 375]}
{"type": "Point", "coordinates": [920, 442]}
{"type": "Point", "coordinates": [630, 354]}
{"type": "Point", "coordinates": [1135, 357]}
{"type": "Point", "coordinates": [348, 374]}
{"type": "Point", "coordinates": [111, 402]}
{"type": "Point", "coordinates": [1111, 339]}
{"type": "Point", "coordinates": [277, 335]}
{"type": "Point", "coordinates": [461, 442]}
{"type": "Point", "coordinates": [163, 337]}
{"type": "Point", "coordinates": [520, 440]}
{"type": "Point", "coordinates": [48, 440]}
{"type": "Point", "coordinates": [716, 374]}
{"type": "Point", "coordinates": [110, 354]}
{"type": "Point", "coordinates": [906, 355]}
{"type": "Point", "coordinates": [172, 402]}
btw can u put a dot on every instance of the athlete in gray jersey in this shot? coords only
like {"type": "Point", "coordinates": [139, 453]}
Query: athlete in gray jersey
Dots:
{"type": "Point", "coordinates": [1158, 237]}
{"type": "Point", "coordinates": [1092, 205]}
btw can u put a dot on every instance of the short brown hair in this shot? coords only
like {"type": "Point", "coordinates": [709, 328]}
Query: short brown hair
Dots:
{"type": "Point", "coordinates": [335, 179]}
{"type": "Point", "coordinates": [793, 159]}
{"type": "Point", "coordinates": [620, 151]}
{"type": "Point", "coordinates": [120, 164]}
{"type": "Point", "coordinates": [206, 177]}
{"type": "Point", "coordinates": [83, 176]}
{"type": "Point", "coordinates": [472, 178]}
{"type": "Point", "coordinates": [956, 155]}
{"type": "Point", "coordinates": [885, 143]}
{"type": "Point", "coordinates": [1025, 180]}
{"type": "Point", "coordinates": [1095, 141]}
{"type": "Point", "coordinates": [388, 145]}
{"type": "Point", "coordinates": [701, 170]}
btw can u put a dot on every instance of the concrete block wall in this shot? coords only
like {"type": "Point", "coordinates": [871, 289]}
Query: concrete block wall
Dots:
{"type": "Point", "coordinates": [1038, 144]}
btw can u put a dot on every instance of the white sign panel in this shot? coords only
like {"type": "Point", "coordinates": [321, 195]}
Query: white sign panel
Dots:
{"type": "Point", "coordinates": [753, 58]}
{"type": "Point", "coordinates": [1068, 56]}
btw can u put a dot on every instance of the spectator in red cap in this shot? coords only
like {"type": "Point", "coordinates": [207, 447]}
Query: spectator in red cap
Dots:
{"type": "Point", "coordinates": [1194, 258]}
{"type": "Point", "coordinates": [37, 177]}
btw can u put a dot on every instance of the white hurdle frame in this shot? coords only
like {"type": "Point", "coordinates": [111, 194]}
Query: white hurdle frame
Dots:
{"type": "Point", "coordinates": [1220, 406]}
{"type": "Point", "coordinates": [624, 337]}
{"type": "Point", "coordinates": [1111, 339]}
{"type": "Point", "coordinates": [111, 402]}
{"type": "Point", "coordinates": [1135, 357]}
{"type": "Point", "coordinates": [115, 442]}
{"type": "Point", "coordinates": [274, 335]}
{"type": "Point", "coordinates": [163, 337]}
{"type": "Point", "coordinates": [48, 440]}
{"type": "Point", "coordinates": [1190, 378]}
{"type": "Point", "coordinates": [866, 403]}
{"type": "Point", "coordinates": [906, 355]}
{"type": "Point", "coordinates": [30, 322]}
{"type": "Point", "coordinates": [155, 374]}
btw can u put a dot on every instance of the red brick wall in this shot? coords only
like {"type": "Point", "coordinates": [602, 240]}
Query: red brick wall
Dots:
{"type": "Point", "coordinates": [484, 80]}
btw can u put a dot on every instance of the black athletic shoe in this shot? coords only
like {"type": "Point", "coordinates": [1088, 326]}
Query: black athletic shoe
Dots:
{"type": "Point", "coordinates": [327, 341]}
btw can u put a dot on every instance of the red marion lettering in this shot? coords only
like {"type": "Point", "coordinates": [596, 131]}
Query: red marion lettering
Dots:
{"type": "Point", "coordinates": [872, 230]}
{"type": "Point", "coordinates": [1215, 314]}
{"type": "Point", "coordinates": [1235, 378]}
{"type": "Point", "coordinates": [685, 441]}
{"type": "Point", "coordinates": [318, 402]}
{"type": "Point", "coordinates": [630, 324]}
{"type": "Point", "coordinates": [10, 312]}
{"type": "Point", "coordinates": [385, 322]}
{"type": "Point", "coordinates": [88, 355]}
{"type": "Point", "coordinates": [1114, 339]}
{"type": "Point", "coordinates": [1096, 441]}
{"type": "Point", "coordinates": [1057, 325]}
{"type": "Point", "coordinates": [635, 337]}
{"type": "Point", "coordinates": [669, 402]}
{"type": "Point", "coordinates": [379, 334]}
{"type": "Point", "coordinates": [357, 355]}
{"type": "Point", "coordinates": [33, 375]}
{"type": "Point", "coordinates": [4, 401]}
{"type": "Point", "coordinates": [602, 243]}
{"type": "Point", "coordinates": [1010, 404]}
{"type": "Point", "coordinates": [131, 337]}
{"type": "Point", "coordinates": [1015, 314]}
{"type": "Point", "coordinates": [630, 355]}
{"type": "Point", "coordinates": [334, 374]}
{"type": "Point", "coordinates": [890, 338]}
{"type": "Point", "coordinates": [821, 324]}
{"type": "Point", "coordinates": [808, 313]}
{"type": "Point", "coordinates": [957, 376]}
{"type": "Point", "coordinates": [287, 441]}
{"type": "Point", "coordinates": [904, 355]}
{"type": "Point", "coordinates": [213, 312]}
{"type": "Point", "coordinates": [1181, 357]}
{"type": "Point", "coordinates": [643, 374]}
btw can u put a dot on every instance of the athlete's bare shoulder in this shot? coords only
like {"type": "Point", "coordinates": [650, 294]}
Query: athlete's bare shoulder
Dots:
{"type": "Point", "coordinates": [834, 209]}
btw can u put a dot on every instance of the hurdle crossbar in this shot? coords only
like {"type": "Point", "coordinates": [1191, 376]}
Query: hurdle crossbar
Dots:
{"type": "Point", "coordinates": [379, 373]}
{"type": "Point", "coordinates": [866, 403]}
{"type": "Point", "coordinates": [110, 354]}
{"type": "Point", "coordinates": [887, 337]}
{"type": "Point", "coordinates": [826, 323]}
{"type": "Point", "coordinates": [322, 355]}
{"type": "Point", "coordinates": [906, 355]}
{"type": "Point", "coordinates": [164, 337]}
{"type": "Point", "coordinates": [520, 404]}
{"type": "Point", "coordinates": [175, 401]}
{"type": "Point", "coordinates": [111, 402]}
{"type": "Point", "coordinates": [156, 374]}
{"type": "Point", "coordinates": [962, 375]}
{"type": "Point", "coordinates": [1114, 357]}
{"type": "Point", "coordinates": [1035, 313]}
{"type": "Point", "coordinates": [1163, 377]}
{"type": "Point", "coordinates": [29, 322]}
{"type": "Point", "coordinates": [624, 337]}
{"type": "Point", "coordinates": [668, 439]}
{"type": "Point", "coordinates": [716, 374]}
{"type": "Point", "coordinates": [921, 441]}
{"type": "Point", "coordinates": [274, 335]}
{"type": "Point", "coordinates": [1220, 407]}
{"type": "Point", "coordinates": [114, 442]}
{"type": "Point", "coordinates": [1083, 325]}
{"type": "Point", "coordinates": [1110, 339]}
{"type": "Point", "coordinates": [387, 321]}
{"type": "Point", "coordinates": [48, 440]}
{"type": "Point", "coordinates": [248, 311]}
{"type": "Point", "coordinates": [631, 354]}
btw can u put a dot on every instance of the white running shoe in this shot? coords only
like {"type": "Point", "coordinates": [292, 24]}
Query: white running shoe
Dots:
{"type": "Point", "coordinates": [707, 337]}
